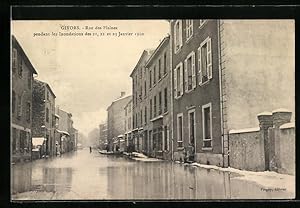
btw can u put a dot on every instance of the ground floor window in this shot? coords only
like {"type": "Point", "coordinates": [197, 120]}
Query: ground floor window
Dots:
{"type": "Point", "coordinates": [14, 140]}
{"type": "Point", "coordinates": [192, 128]}
{"type": "Point", "coordinates": [159, 139]}
{"type": "Point", "coordinates": [166, 138]}
{"type": "Point", "coordinates": [180, 129]}
{"type": "Point", "coordinates": [207, 125]}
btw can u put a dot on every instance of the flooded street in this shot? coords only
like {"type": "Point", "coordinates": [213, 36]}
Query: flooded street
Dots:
{"type": "Point", "coordinates": [84, 175]}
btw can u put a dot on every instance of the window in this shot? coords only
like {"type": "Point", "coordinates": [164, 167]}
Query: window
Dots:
{"type": "Point", "coordinates": [14, 60]}
{"type": "Point", "coordinates": [179, 129]}
{"type": "Point", "coordinates": [29, 80]}
{"type": "Point", "coordinates": [207, 125]}
{"type": "Point", "coordinates": [47, 115]}
{"type": "Point", "coordinates": [47, 94]}
{"type": "Point", "coordinates": [28, 110]}
{"type": "Point", "coordinates": [20, 67]}
{"type": "Point", "coordinates": [166, 138]}
{"type": "Point", "coordinates": [19, 111]}
{"type": "Point", "coordinates": [205, 61]}
{"type": "Point", "coordinates": [178, 80]}
{"type": "Point", "coordinates": [150, 78]}
{"type": "Point", "coordinates": [154, 102]}
{"type": "Point", "coordinates": [166, 100]}
{"type": "Point", "coordinates": [165, 62]}
{"type": "Point", "coordinates": [202, 21]}
{"type": "Point", "coordinates": [145, 114]}
{"type": "Point", "coordinates": [190, 72]}
{"type": "Point", "coordinates": [134, 121]}
{"type": "Point", "coordinates": [154, 75]}
{"type": "Point", "coordinates": [159, 103]}
{"type": "Point", "coordinates": [14, 139]}
{"type": "Point", "coordinates": [145, 88]}
{"type": "Point", "coordinates": [177, 35]}
{"type": "Point", "coordinates": [125, 124]}
{"type": "Point", "coordinates": [129, 123]}
{"type": "Point", "coordinates": [159, 69]}
{"type": "Point", "coordinates": [13, 102]}
{"type": "Point", "coordinates": [150, 108]}
{"type": "Point", "coordinates": [192, 128]}
{"type": "Point", "coordinates": [141, 114]}
{"type": "Point", "coordinates": [189, 29]}
{"type": "Point", "coordinates": [22, 137]}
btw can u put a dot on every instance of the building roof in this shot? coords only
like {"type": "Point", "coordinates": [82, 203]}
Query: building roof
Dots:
{"type": "Point", "coordinates": [145, 52]}
{"type": "Point", "coordinates": [118, 99]}
{"type": "Point", "coordinates": [46, 85]}
{"type": "Point", "coordinates": [162, 44]}
{"type": "Point", "coordinates": [19, 47]}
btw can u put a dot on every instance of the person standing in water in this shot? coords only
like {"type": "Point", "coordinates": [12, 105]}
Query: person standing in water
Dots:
{"type": "Point", "coordinates": [90, 149]}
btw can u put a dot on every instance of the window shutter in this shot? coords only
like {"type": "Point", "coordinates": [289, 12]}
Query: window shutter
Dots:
{"type": "Point", "coordinates": [14, 59]}
{"type": "Point", "coordinates": [181, 79]}
{"type": "Point", "coordinates": [185, 76]}
{"type": "Point", "coordinates": [199, 65]}
{"type": "Point", "coordinates": [175, 37]}
{"type": "Point", "coordinates": [175, 82]}
{"type": "Point", "coordinates": [193, 71]}
{"type": "Point", "coordinates": [209, 59]}
{"type": "Point", "coordinates": [180, 33]}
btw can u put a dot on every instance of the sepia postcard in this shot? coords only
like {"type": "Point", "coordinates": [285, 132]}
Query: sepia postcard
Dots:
{"type": "Point", "coordinates": [144, 109]}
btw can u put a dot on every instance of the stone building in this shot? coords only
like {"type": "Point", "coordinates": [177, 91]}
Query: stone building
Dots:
{"type": "Point", "coordinates": [43, 116]}
{"type": "Point", "coordinates": [21, 103]}
{"type": "Point", "coordinates": [224, 72]}
{"type": "Point", "coordinates": [115, 119]}
{"type": "Point", "coordinates": [140, 101]}
{"type": "Point", "coordinates": [158, 124]}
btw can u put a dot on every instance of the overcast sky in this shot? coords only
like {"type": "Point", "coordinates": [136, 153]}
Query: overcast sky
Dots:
{"type": "Point", "coordinates": [87, 73]}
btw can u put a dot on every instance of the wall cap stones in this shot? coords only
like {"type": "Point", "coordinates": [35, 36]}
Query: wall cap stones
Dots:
{"type": "Point", "coordinates": [288, 125]}
{"type": "Point", "coordinates": [237, 131]}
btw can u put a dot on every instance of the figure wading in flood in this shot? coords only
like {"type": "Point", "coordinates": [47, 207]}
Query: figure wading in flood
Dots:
{"type": "Point", "coordinates": [90, 149]}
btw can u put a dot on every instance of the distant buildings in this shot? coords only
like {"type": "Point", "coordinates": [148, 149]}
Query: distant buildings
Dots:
{"type": "Point", "coordinates": [115, 120]}
{"type": "Point", "coordinates": [21, 103]}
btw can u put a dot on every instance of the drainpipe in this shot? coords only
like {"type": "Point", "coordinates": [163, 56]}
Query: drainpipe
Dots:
{"type": "Point", "coordinates": [220, 86]}
{"type": "Point", "coordinates": [171, 90]}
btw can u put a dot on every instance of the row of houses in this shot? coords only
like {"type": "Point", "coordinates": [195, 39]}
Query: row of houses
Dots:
{"type": "Point", "coordinates": [39, 128]}
{"type": "Point", "coordinates": [207, 78]}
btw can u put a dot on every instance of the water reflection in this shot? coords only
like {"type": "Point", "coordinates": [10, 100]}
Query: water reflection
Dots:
{"type": "Point", "coordinates": [25, 178]}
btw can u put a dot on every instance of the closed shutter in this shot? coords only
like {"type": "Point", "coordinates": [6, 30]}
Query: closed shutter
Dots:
{"type": "Point", "coordinates": [199, 65]}
{"type": "Point", "coordinates": [180, 33]}
{"type": "Point", "coordinates": [181, 79]}
{"type": "Point", "coordinates": [193, 71]}
{"type": "Point", "coordinates": [175, 82]}
{"type": "Point", "coordinates": [209, 59]}
{"type": "Point", "coordinates": [186, 76]}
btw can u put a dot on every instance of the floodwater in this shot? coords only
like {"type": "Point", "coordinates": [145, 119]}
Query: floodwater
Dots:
{"type": "Point", "coordinates": [83, 175]}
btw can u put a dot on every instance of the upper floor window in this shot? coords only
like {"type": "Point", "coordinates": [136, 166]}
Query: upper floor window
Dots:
{"type": "Point", "coordinates": [177, 35]}
{"type": "Point", "coordinates": [154, 106]}
{"type": "Point", "coordinates": [145, 88]}
{"type": "Point", "coordinates": [28, 110]}
{"type": "Point", "coordinates": [150, 108]}
{"type": "Point", "coordinates": [166, 100]}
{"type": "Point", "coordinates": [178, 80]}
{"type": "Point", "coordinates": [29, 79]}
{"type": "Point", "coordinates": [165, 62]}
{"type": "Point", "coordinates": [190, 72]}
{"type": "Point", "coordinates": [154, 75]}
{"type": "Point", "coordinates": [189, 29]}
{"type": "Point", "coordinates": [14, 59]}
{"type": "Point", "coordinates": [205, 61]}
{"type": "Point", "coordinates": [145, 114]}
{"type": "Point", "coordinates": [150, 78]}
{"type": "Point", "coordinates": [202, 21]}
{"type": "Point", "coordinates": [159, 103]}
{"type": "Point", "coordinates": [159, 69]}
{"type": "Point", "coordinates": [20, 67]}
{"type": "Point", "coordinates": [47, 114]}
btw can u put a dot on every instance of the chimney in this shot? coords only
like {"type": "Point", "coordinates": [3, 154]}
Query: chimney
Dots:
{"type": "Point", "coordinates": [122, 94]}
